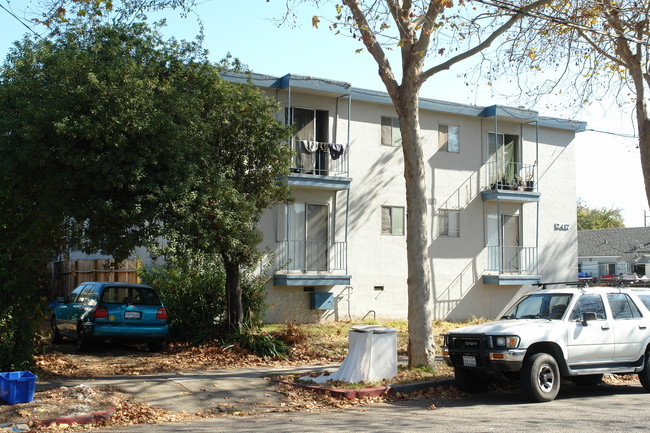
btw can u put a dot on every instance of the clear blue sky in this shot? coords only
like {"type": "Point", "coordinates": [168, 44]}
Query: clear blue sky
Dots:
{"type": "Point", "coordinates": [608, 167]}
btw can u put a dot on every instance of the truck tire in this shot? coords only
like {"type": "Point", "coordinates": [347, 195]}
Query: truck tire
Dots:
{"type": "Point", "coordinates": [469, 381]}
{"type": "Point", "coordinates": [644, 375]}
{"type": "Point", "coordinates": [540, 377]}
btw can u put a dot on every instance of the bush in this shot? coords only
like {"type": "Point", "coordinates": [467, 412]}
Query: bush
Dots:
{"type": "Point", "coordinates": [19, 318]}
{"type": "Point", "coordinates": [291, 335]}
{"type": "Point", "coordinates": [249, 337]}
{"type": "Point", "coordinates": [193, 291]}
{"type": "Point", "coordinates": [193, 295]}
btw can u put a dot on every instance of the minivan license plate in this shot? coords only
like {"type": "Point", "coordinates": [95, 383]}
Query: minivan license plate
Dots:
{"type": "Point", "coordinates": [133, 315]}
{"type": "Point", "coordinates": [469, 361]}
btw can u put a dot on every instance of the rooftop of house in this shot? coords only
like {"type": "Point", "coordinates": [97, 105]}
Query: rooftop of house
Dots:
{"type": "Point", "coordinates": [343, 89]}
{"type": "Point", "coordinates": [627, 243]}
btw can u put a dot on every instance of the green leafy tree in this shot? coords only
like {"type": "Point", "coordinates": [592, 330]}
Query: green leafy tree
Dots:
{"type": "Point", "coordinates": [598, 218]}
{"type": "Point", "coordinates": [112, 137]}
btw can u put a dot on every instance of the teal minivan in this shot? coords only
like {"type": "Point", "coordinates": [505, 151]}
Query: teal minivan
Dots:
{"type": "Point", "coordinates": [96, 311]}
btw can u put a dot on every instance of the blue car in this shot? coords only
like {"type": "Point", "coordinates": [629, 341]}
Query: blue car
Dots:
{"type": "Point", "coordinates": [96, 311]}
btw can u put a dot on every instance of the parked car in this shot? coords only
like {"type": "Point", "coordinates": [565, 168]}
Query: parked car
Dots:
{"type": "Point", "coordinates": [96, 311]}
{"type": "Point", "coordinates": [580, 333]}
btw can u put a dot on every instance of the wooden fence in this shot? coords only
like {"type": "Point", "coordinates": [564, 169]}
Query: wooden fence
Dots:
{"type": "Point", "coordinates": [68, 274]}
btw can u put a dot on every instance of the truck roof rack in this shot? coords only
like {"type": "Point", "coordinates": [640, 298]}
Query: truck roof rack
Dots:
{"type": "Point", "coordinates": [566, 283]}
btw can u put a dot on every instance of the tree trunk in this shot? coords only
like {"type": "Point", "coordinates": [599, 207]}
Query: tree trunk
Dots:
{"type": "Point", "coordinates": [233, 294]}
{"type": "Point", "coordinates": [644, 148]}
{"type": "Point", "coordinates": [421, 344]}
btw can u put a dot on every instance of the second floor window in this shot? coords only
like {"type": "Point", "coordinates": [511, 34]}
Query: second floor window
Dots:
{"type": "Point", "coordinates": [392, 220]}
{"type": "Point", "coordinates": [449, 138]}
{"type": "Point", "coordinates": [449, 223]}
{"type": "Point", "coordinates": [390, 133]}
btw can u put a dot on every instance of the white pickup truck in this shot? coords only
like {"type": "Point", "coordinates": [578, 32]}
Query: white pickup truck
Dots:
{"type": "Point", "coordinates": [579, 333]}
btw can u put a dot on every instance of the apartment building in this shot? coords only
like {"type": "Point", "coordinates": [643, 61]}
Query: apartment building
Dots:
{"type": "Point", "coordinates": [501, 197]}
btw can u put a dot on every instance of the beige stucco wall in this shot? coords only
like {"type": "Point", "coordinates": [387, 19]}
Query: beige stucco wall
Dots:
{"type": "Point", "coordinates": [457, 264]}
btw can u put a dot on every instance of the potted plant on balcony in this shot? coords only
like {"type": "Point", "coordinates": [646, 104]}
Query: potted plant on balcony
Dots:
{"type": "Point", "coordinates": [530, 176]}
{"type": "Point", "coordinates": [530, 183]}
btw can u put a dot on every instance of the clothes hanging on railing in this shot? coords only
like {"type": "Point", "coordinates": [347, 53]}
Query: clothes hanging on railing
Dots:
{"type": "Point", "coordinates": [336, 150]}
{"type": "Point", "coordinates": [310, 146]}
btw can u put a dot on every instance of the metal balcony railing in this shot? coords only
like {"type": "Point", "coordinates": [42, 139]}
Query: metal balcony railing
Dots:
{"type": "Point", "coordinates": [312, 256]}
{"type": "Point", "coordinates": [320, 159]}
{"type": "Point", "coordinates": [512, 259]}
{"type": "Point", "coordinates": [511, 176]}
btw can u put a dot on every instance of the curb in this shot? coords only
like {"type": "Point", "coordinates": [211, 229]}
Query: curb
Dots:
{"type": "Point", "coordinates": [80, 419]}
{"type": "Point", "coordinates": [352, 394]}
{"type": "Point", "coordinates": [349, 394]}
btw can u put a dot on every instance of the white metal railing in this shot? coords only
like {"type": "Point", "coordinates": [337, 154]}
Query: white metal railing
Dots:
{"type": "Point", "coordinates": [321, 159]}
{"type": "Point", "coordinates": [315, 256]}
{"type": "Point", "coordinates": [511, 176]}
{"type": "Point", "coordinates": [512, 259]}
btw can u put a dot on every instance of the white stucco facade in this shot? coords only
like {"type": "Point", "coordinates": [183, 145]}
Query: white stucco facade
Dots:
{"type": "Point", "coordinates": [336, 237]}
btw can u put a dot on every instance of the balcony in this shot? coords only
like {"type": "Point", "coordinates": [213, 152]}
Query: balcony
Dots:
{"type": "Point", "coordinates": [320, 165]}
{"type": "Point", "coordinates": [511, 265]}
{"type": "Point", "coordinates": [311, 263]}
{"type": "Point", "coordinates": [512, 181]}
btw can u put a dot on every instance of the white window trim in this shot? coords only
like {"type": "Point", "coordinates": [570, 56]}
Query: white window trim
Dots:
{"type": "Point", "coordinates": [446, 142]}
{"type": "Point", "coordinates": [392, 221]}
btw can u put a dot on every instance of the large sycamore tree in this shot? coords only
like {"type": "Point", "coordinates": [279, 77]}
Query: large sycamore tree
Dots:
{"type": "Point", "coordinates": [600, 50]}
{"type": "Point", "coordinates": [429, 36]}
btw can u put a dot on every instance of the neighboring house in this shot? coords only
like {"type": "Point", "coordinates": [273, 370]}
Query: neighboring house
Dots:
{"type": "Point", "coordinates": [612, 252]}
{"type": "Point", "coordinates": [501, 197]}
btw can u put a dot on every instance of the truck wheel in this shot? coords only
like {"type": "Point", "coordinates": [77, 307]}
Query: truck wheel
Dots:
{"type": "Point", "coordinates": [469, 381]}
{"type": "Point", "coordinates": [540, 377]}
{"type": "Point", "coordinates": [589, 379]}
{"type": "Point", "coordinates": [644, 375]}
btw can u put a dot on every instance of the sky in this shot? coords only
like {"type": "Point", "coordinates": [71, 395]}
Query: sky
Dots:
{"type": "Point", "coordinates": [608, 168]}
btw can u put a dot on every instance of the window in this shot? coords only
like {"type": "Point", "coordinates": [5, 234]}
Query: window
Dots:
{"type": "Point", "coordinates": [503, 157]}
{"type": "Point", "coordinates": [72, 297]}
{"type": "Point", "coordinates": [449, 223]}
{"type": "Point", "coordinates": [622, 306]}
{"type": "Point", "coordinates": [589, 303]}
{"type": "Point", "coordinates": [449, 138]}
{"type": "Point", "coordinates": [392, 220]}
{"type": "Point", "coordinates": [390, 133]}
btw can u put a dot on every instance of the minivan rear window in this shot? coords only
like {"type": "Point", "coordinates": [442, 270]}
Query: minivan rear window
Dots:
{"type": "Point", "coordinates": [130, 295]}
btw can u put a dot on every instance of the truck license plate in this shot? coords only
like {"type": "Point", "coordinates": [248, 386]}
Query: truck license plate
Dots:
{"type": "Point", "coordinates": [469, 361]}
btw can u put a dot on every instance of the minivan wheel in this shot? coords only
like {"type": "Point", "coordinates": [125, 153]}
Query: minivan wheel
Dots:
{"type": "Point", "coordinates": [83, 341]}
{"type": "Point", "coordinates": [56, 335]}
{"type": "Point", "coordinates": [540, 377]}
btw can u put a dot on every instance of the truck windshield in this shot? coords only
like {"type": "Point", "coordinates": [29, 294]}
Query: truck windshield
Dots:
{"type": "Point", "coordinates": [540, 306]}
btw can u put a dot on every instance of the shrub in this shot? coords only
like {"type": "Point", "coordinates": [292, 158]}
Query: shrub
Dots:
{"type": "Point", "coordinates": [249, 337]}
{"type": "Point", "coordinates": [291, 335]}
{"type": "Point", "coordinates": [193, 294]}
{"type": "Point", "coordinates": [193, 291]}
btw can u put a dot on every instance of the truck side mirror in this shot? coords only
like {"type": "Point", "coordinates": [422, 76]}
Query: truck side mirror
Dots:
{"type": "Point", "coordinates": [588, 317]}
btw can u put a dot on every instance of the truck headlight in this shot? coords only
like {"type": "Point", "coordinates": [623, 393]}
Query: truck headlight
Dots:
{"type": "Point", "coordinates": [505, 342]}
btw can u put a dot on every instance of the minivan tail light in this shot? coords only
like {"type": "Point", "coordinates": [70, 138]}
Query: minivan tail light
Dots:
{"type": "Point", "coordinates": [100, 311]}
{"type": "Point", "coordinates": [161, 314]}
